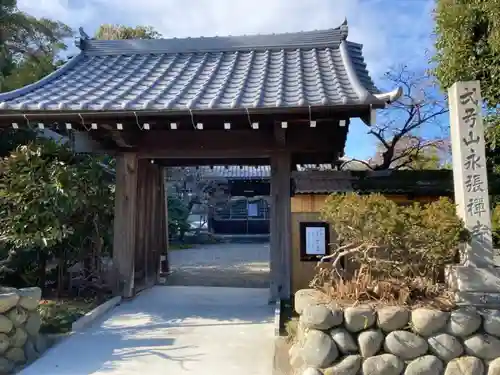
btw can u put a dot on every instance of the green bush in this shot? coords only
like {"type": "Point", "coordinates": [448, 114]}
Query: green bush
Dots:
{"type": "Point", "coordinates": [495, 219]}
{"type": "Point", "coordinates": [178, 214]}
{"type": "Point", "coordinates": [391, 240]}
{"type": "Point", "coordinates": [53, 204]}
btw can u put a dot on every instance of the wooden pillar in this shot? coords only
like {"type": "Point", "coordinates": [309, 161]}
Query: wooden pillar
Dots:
{"type": "Point", "coordinates": [280, 262]}
{"type": "Point", "coordinates": [160, 217]}
{"type": "Point", "coordinates": [125, 235]}
{"type": "Point", "coordinates": [149, 220]}
{"type": "Point", "coordinates": [163, 267]}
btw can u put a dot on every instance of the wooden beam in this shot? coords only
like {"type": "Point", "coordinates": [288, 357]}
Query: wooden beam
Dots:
{"type": "Point", "coordinates": [279, 135]}
{"type": "Point", "coordinates": [280, 257]}
{"type": "Point", "coordinates": [121, 138]}
{"type": "Point", "coordinates": [125, 236]}
{"type": "Point", "coordinates": [240, 143]}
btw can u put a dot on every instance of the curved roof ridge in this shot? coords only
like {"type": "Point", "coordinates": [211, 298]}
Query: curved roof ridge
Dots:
{"type": "Point", "coordinates": [364, 96]}
{"type": "Point", "coordinates": [33, 86]}
{"type": "Point", "coordinates": [304, 39]}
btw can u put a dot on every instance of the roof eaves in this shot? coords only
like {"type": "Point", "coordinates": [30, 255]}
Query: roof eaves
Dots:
{"type": "Point", "coordinates": [26, 89]}
{"type": "Point", "coordinates": [365, 97]}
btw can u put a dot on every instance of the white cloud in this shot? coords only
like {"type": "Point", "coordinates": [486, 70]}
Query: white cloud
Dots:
{"type": "Point", "coordinates": [392, 32]}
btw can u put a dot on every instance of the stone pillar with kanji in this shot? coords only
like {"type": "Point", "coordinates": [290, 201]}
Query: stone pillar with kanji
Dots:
{"type": "Point", "coordinates": [476, 280]}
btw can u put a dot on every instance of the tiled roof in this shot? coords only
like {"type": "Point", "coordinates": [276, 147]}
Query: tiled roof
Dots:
{"type": "Point", "coordinates": [316, 68]}
{"type": "Point", "coordinates": [439, 182]}
{"type": "Point", "coordinates": [251, 171]}
{"type": "Point", "coordinates": [236, 171]}
{"type": "Point", "coordinates": [315, 167]}
{"type": "Point", "coordinates": [322, 182]}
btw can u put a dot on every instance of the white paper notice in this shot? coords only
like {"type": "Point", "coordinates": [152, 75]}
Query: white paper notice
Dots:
{"type": "Point", "coordinates": [253, 209]}
{"type": "Point", "coordinates": [315, 240]}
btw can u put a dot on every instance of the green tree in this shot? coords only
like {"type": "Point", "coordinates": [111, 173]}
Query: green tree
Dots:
{"type": "Point", "coordinates": [29, 49]}
{"type": "Point", "coordinates": [23, 37]}
{"type": "Point", "coordinates": [52, 201]}
{"type": "Point", "coordinates": [178, 214]}
{"type": "Point", "coordinates": [468, 48]}
{"type": "Point", "coordinates": [468, 44]}
{"type": "Point", "coordinates": [113, 32]}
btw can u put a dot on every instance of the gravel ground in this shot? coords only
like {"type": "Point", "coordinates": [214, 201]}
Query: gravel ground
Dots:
{"type": "Point", "coordinates": [242, 265]}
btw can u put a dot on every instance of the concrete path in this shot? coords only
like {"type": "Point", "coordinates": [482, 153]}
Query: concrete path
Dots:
{"type": "Point", "coordinates": [172, 330]}
{"type": "Point", "coordinates": [241, 265]}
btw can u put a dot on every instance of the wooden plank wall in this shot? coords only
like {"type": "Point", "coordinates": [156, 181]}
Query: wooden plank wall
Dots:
{"type": "Point", "coordinates": [150, 224]}
{"type": "Point", "coordinates": [302, 272]}
{"type": "Point", "coordinates": [315, 202]}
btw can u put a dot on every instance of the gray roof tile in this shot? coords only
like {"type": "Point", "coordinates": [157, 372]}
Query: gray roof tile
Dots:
{"type": "Point", "coordinates": [236, 171]}
{"type": "Point", "coordinates": [279, 70]}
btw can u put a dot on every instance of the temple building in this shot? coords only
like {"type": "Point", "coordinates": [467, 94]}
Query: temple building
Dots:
{"type": "Point", "coordinates": [280, 100]}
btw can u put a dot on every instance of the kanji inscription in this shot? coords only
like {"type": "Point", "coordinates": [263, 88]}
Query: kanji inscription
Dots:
{"type": "Point", "coordinates": [469, 170]}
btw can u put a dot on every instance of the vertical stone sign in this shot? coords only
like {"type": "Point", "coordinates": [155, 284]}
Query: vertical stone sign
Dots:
{"type": "Point", "coordinates": [469, 171]}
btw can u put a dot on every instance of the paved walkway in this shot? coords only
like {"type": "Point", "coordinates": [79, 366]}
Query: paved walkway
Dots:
{"type": "Point", "coordinates": [241, 265]}
{"type": "Point", "coordinates": [172, 330]}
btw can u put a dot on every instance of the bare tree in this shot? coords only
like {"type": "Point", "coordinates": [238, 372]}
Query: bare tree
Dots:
{"type": "Point", "coordinates": [400, 130]}
{"type": "Point", "coordinates": [190, 185]}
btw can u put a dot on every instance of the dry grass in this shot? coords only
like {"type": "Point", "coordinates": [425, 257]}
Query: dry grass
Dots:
{"type": "Point", "coordinates": [363, 288]}
{"type": "Point", "coordinates": [291, 328]}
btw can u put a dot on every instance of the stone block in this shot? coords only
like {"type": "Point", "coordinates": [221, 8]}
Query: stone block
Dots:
{"type": "Point", "coordinates": [357, 319]}
{"type": "Point", "coordinates": [349, 365]}
{"type": "Point", "coordinates": [463, 322]}
{"type": "Point", "coordinates": [319, 350]}
{"type": "Point", "coordinates": [445, 346]}
{"type": "Point", "coordinates": [370, 342]}
{"type": "Point", "coordinates": [478, 299]}
{"type": "Point", "coordinates": [426, 365]}
{"type": "Point", "coordinates": [392, 318]}
{"type": "Point", "coordinates": [344, 341]}
{"type": "Point", "coordinates": [384, 364]}
{"type": "Point", "coordinates": [8, 301]}
{"type": "Point", "coordinates": [427, 322]}
{"type": "Point", "coordinates": [319, 317]}
{"type": "Point", "coordinates": [30, 298]}
{"type": "Point", "coordinates": [483, 346]}
{"type": "Point", "coordinates": [472, 279]}
{"type": "Point", "coordinates": [306, 297]}
{"type": "Point", "coordinates": [465, 366]}
{"type": "Point", "coordinates": [406, 345]}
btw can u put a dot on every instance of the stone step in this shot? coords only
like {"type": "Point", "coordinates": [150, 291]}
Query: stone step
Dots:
{"type": "Point", "coordinates": [473, 279]}
{"type": "Point", "coordinates": [478, 299]}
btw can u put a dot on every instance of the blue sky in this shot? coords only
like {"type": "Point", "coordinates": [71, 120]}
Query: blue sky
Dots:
{"type": "Point", "coordinates": [392, 32]}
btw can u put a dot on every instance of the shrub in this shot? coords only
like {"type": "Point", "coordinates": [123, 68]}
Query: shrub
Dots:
{"type": "Point", "coordinates": [495, 219]}
{"type": "Point", "coordinates": [53, 204]}
{"type": "Point", "coordinates": [178, 214]}
{"type": "Point", "coordinates": [391, 241]}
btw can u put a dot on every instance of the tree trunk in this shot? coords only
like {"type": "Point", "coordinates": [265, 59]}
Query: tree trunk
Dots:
{"type": "Point", "coordinates": [42, 270]}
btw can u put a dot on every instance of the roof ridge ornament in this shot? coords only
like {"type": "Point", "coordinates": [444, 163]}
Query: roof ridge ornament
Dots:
{"type": "Point", "coordinates": [344, 29]}
{"type": "Point", "coordinates": [79, 40]}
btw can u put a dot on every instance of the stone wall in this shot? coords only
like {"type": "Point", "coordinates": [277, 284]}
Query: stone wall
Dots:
{"type": "Point", "coordinates": [393, 340]}
{"type": "Point", "coordinates": [20, 342]}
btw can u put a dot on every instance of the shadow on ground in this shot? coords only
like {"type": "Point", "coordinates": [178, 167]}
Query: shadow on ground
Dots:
{"type": "Point", "coordinates": [171, 330]}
